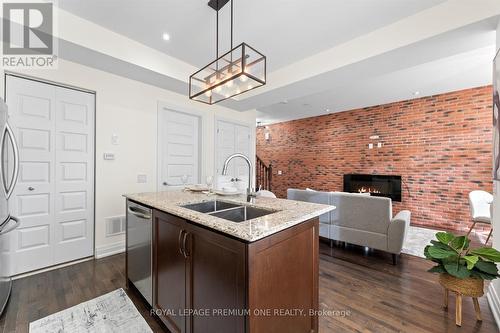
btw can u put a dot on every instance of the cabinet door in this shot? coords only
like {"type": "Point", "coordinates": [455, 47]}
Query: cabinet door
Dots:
{"type": "Point", "coordinates": [169, 271]}
{"type": "Point", "coordinates": [216, 273]}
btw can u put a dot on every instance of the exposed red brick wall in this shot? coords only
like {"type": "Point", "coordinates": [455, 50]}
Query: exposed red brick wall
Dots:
{"type": "Point", "coordinates": [440, 145]}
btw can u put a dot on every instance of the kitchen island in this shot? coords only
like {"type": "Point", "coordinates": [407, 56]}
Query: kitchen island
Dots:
{"type": "Point", "coordinates": [220, 264]}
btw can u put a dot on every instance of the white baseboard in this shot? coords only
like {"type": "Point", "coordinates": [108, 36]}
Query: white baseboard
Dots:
{"type": "Point", "coordinates": [494, 302]}
{"type": "Point", "coordinates": [51, 268]}
{"type": "Point", "coordinates": [109, 249]}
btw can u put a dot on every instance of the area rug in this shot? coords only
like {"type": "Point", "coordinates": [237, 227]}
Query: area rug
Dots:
{"type": "Point", "coordinates": [112, 312]}
{"type": "Point", "coordinates": [416, 240]}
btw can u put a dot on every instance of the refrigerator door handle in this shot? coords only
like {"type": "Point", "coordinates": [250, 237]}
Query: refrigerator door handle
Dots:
{"type": "Point", "coordinates": [6, 230]}
{"type": "Point", "coordinates": [8, 131]}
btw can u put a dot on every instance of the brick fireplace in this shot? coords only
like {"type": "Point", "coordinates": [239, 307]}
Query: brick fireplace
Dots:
{"type": "Point", "coordinates": [439, 145]}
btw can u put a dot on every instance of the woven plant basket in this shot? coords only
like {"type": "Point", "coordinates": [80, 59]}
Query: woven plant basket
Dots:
{"type": "Point", "coordinates": [472, 287]}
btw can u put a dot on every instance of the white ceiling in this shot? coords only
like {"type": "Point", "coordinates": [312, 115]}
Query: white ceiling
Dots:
{"type": "Point", "coordinates": [285, 31]}
{"type": "Point", "coordinates": [470, 69]}
{"type": "Point", "coordinates": [322, 54]}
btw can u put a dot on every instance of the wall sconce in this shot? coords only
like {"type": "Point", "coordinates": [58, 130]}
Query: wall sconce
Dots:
{"type": "Point", "coordinates": [267, 134]}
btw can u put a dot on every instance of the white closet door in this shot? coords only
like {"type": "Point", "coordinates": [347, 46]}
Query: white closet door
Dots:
{"type": "Point", "coordinates": [32, 116]}
{"type": "Point", "coordinates": [242, 145]}
{"type": "Point", "coordinates": [226, 141]}
{"type": "Point", "coordinates": [55, 191]}
{"type": "Point", "coordinates": [74, 203]}
{"type": "Point", "coordinates": [179, 148]}
{"type": "Point", "coordinates": [233, 138]}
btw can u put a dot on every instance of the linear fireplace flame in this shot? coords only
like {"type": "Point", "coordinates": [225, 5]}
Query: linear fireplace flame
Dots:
{"type": "Point", "coordinates": [368, 190]}
{"type": "Point", "coordinates": [376, 185]}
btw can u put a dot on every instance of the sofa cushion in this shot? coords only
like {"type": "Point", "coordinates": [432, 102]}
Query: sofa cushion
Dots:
{"type": "Point", "coordinates": [359, 237]}
{"type": "Point", "coordinates": [361, 212]}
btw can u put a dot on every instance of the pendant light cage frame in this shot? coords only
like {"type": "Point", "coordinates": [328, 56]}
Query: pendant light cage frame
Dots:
{"type": "Point", "coordinates": [237, 71]}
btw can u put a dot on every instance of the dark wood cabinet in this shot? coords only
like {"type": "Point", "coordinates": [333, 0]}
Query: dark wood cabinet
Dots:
{"type": "Point", "coordinates": [204, 281]}
{"type": "Point", "coordinates": [216, 272]}
{"type": "Point", "coordinates": [169, 271]}
{"type": "Point", "coordinates": [198, 276]}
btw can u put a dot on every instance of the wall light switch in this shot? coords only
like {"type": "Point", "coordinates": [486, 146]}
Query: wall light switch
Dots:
{"type": "Point", "coordinates": [280, 172]}
{"type": "Point", "coordinates": [142, 178]}
{"type": "Point", "coordinates": [379, 145]}
{"type": "Point", "coordinates": [109, 156]}
{"type": "Point", "coordinates": [370, 146]}
{"type": "Point", "coordinates": [115, 140]}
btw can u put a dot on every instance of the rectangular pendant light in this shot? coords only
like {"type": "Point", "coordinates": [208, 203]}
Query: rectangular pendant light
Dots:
{"type": "Point", "coordinates": [241, 69]}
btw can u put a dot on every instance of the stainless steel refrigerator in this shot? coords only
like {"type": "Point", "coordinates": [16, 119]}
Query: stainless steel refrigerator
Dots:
{"type": "Point", "coordinates": [9, 169]}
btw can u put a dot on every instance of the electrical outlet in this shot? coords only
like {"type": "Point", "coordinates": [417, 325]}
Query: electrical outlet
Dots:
{"type": "Point", "coordinates": [370, 146]}
{"type": "Point", "coordinates": [115, 140]}
{"type": "Point", "coordinates": [280, 172]}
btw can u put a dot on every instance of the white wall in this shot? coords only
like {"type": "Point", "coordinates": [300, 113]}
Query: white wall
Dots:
{"type": "Point", "coordinates": [494, 289]}
{"type": "Point", "coordinates": [498, 36]}
{"type": "Point", "coordinates": [129, 108]}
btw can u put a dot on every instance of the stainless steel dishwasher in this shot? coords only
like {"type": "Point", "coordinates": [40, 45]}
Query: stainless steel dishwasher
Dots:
{"type": "Point", "coordinates": [139, 249]}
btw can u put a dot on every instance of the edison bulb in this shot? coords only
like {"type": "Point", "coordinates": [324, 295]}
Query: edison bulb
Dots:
{"type": "Point", "coordinates": [208, 93]}
{"type": "Point", "coordinates": [243, 78]}
{"type": "Point", "coordinates": [229, 84]}
{"type": "Point", "coordinates": [218, 89]}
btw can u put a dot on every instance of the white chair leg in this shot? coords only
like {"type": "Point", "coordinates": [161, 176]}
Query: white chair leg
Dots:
{"type": "Point", "coordinates": [489, 235]}
{"type": "Point", "coordinates": [472, 227]}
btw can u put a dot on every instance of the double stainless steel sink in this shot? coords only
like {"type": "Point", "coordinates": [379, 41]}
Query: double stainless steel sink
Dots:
{"type": "Point", "coordinates": [229, 211]}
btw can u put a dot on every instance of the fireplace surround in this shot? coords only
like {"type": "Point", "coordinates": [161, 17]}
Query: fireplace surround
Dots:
{"type": "Point", "coordinates": [376, 185]}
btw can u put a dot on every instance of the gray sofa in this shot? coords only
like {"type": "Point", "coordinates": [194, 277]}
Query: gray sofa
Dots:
{"type": "Point", "coordinates": [359, 219]}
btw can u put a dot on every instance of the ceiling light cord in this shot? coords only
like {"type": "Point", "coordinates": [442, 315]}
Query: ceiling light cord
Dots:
{"type": "Point", "coordinates": [217, 32]}
{"type": "Point", "coordinates": [231, 24]}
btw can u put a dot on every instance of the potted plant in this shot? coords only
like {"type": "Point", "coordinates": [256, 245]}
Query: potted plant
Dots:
{"type": "Point", "coordinates": [462, 269]}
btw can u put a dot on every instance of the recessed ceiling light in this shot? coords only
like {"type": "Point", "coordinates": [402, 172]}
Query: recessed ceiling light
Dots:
{"type": "Point", "coordinates": [285, 101]}
{"type": "Point", "coordinates": [416, 93]}
{"type": "Point", "coordinates": [166, 36]}
{"type": "Point", "coordinates": [327, 110]}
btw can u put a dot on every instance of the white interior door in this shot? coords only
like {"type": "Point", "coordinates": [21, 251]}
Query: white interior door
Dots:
{"type": "Point", "coordinates": [55, 191]}
{"type": "Point", "coordinates": [32, 117]}
{"type": "Point", "coordinates": [74, 175]}
{"type": "Point", "coordinates": [178, 148]}
{"type": "Point", "coordinates": [233, 138]}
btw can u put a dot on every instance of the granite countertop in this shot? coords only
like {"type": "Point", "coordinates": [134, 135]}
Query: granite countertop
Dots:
{"type": "Point", "coordinates": [287, 212]}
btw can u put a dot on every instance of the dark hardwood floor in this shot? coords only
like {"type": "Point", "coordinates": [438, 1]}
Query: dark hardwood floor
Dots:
{"type": "Point", "coordinates": [367, 291]}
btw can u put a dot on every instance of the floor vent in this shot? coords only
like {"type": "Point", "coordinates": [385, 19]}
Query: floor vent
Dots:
{"type": "Point", "coordinates": [115, 225]}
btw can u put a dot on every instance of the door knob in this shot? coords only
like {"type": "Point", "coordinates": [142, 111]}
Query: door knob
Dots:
{"type": "Point", "coordinates": [31, 188]}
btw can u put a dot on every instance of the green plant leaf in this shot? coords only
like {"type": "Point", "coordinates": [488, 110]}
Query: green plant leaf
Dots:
{"type": "Point", "coordinates": [471, 261]}
{"type": "Point", "coordinates": [441, 245]}
{"type": "Point", "coordinates": [426, 251]}
{"type": "Point", "coordinates": [457, 270]}
{"type": "Point", "coordinates": [487, 253]}
{"type": "Point", "coordinates": [445, 237]}
{"type": "Point", "coordinates": [482, 275]}
{"type": "Point", "coordinates": [438, 253]}
{"type": "Point", "coordinates": [487, 267]}
{"type": "Point", "coordinates": [437, 269]}
{"type": "Point", "coordinates": [459, 243]}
